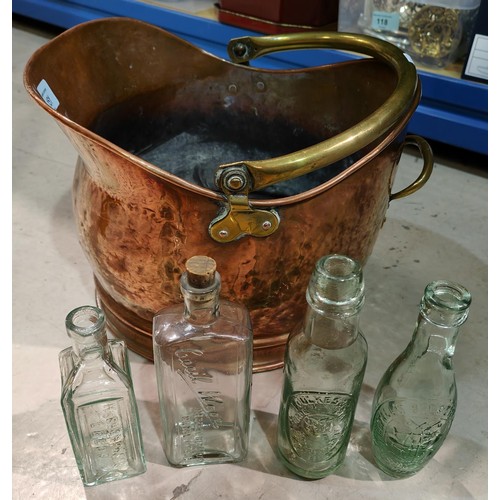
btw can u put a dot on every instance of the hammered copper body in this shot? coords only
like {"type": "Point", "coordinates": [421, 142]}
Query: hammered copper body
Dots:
{"type": "Point", "coordinates": [138, 224]}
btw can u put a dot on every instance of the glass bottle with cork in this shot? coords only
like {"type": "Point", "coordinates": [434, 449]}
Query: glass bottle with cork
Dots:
{"type": "Point", "coordinates": [203, 358]}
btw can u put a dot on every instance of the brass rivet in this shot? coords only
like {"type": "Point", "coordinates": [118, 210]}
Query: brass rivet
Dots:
{"type": "Point", "coordinates": [235, 182]}
{"type": "Point", "coordinates": [240, 50]}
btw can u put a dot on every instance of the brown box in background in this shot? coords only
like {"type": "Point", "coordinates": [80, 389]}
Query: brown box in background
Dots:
{"type": "Point", "coordinates": [278, 16]}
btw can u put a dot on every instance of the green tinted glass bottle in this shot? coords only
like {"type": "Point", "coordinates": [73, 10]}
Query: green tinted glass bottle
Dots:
{"type": "Point", "coordinates": [416, 398]}
{"type": "Point", "coordinates": [325, 362]}
{"type": "Point", "coordinates": [98, 401]}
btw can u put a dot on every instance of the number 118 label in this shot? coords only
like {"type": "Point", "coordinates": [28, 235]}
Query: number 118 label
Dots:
{"type": "Point", "coordinates": [386, 21]}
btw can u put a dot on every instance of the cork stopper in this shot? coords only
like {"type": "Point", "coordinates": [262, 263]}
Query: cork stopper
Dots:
{"type": "Point", "coordinates": [200, 271]}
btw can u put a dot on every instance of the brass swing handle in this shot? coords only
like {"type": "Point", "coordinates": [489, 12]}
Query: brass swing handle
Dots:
{"type": "Point", "coordinates": [246, 176]}
{"type": "Point", "coordinates": [240, 219]}
{"type": "Point", "coordinates": [428, 157]}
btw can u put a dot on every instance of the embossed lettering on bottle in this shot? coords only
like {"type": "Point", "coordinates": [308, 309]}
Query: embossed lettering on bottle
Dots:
{"type": "Point", "coordinates": [106, 434]}
{"type": "Point", "coordinates": [210, 402]}
{"type": "Point", "coordinates": [318, 424]}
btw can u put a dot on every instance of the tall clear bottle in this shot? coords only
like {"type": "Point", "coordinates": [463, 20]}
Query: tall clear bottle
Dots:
{"type": "Point", "coordinates": [415, 401]}
{"type": "Point", "coordinates": [325, 361]}
{"type": "Point", "coordinates": [98, 401]}
{"type": "Point", "coordinates": [203, 357]}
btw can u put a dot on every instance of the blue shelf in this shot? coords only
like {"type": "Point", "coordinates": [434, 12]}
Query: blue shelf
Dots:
{"type": "Point", "coordinates": [452, 110]}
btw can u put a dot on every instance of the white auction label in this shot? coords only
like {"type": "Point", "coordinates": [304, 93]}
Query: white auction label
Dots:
{"type": "Point", "coordinates": [47, 95]}
{"type": "Point", "coordinates": [386, 21]}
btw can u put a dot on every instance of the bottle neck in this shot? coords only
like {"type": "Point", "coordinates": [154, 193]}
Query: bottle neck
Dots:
{"type": "Point", "coordinates": [331, 331]}
{"type": "Point", "coordinates": [201, 305]}
{"type": "Point", "coordinates": [443, 309]}
{"type": "Point", "coordinates": [86, 327]}
{"type": "Point", "coordinates": [335, 296]}
{"type": "Point", "coordinates": [431, 337]}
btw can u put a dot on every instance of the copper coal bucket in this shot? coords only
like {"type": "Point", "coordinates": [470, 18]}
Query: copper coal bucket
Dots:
{"type": "Point", "coordinates": [184, 153]}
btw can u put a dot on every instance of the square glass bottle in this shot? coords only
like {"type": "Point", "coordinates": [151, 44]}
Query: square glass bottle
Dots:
{"type": "Point", "coordinates": [203, 358]}
{"type": "Point", "coordinates": [98, 401]}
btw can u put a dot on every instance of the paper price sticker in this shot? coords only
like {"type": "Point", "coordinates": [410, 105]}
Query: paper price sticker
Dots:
{"type": "Point", "coordinates": [47, 95]}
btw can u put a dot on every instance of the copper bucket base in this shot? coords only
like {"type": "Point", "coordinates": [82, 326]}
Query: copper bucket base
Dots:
{"type": "Point", "coordinates": [267, 353]}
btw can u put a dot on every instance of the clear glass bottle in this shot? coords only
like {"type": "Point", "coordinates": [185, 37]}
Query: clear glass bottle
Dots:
{"type": "Point", "coordinates": [416, 398]}
{"type": "Point", "coordinates": [203, 357]}
{"type": "Point", "coordinates": [325, 361]}
{"type": "Point", "coordinates": [98, 401]}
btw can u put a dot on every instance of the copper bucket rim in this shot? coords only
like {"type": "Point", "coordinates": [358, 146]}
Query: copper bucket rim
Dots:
{"type": "Point", "coordinates": [284, 40]}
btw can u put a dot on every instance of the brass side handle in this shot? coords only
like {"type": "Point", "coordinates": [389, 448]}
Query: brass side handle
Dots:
{"type": "Point", "coordinates": [263, 173]}
{"type": "Point", "coordinates": [427, 156]}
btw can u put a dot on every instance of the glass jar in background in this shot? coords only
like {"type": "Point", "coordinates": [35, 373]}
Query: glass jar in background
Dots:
{"type": "Point", "coordinates": [434, 33]}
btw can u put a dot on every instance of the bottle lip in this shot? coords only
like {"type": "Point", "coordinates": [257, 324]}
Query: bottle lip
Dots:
{"type": "Point", "coordinates": [337, 281]}
{"type": "Point", "coordinates": [448, 295]}
{"type": "Point", "coordinates": [339, 267]}
{"type": "Point", "coordinates": [85, 320]}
